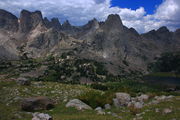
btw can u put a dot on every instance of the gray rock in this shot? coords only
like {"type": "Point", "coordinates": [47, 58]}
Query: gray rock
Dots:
{"type": "Point", "coordinates": [123, 98]}
{"type": "Point", "coordinates": [107, 106]}
{"type": "Point", "coordinates": [116, 103]}
{"type": "Point", "coordinates": [138, 105]}
{"type": "Point", "coordinates": [100, 111]}
{"type": "Point", "coordinates": [167, 110]}
{"type": "Point", "coordinates": [142, 98]}
{"type": "Point", "coordinates": [78, 104]}
{"type": "Point", "coordinates": [37, 103]}
{"type": "Point", "coordinates": [163, 98]}
{"type": "Point", "coordinates": [41, 116]}
{"type": "Point", "coordinates": [23, 81]}
{"type": "Point", "coordinates": [160, 98]}
{"type": "Point", "coordinates": [156, 110]}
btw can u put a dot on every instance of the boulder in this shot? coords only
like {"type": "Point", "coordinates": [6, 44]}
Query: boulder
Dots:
{"type": "Point", "coordinates": [163, 98]}
{"type": "Point", "coordinates": [136, 105]}
{"type": "Point", "coordinates": [107, 106]}
{"type": "Point", "coordinates": [123, 98]}
{"type": "Point", "coordinates": [41, 116]}
{"type": "Point", "coordinates": [167, 110]}
{"type": "Point", "coordinates": [160, 98]}
{"type": "Point", "coordinates": [23, 81]}
{"type": "Point", "coordinates": [100, 111]}
{"type": "Point", "coordinates": [116, 103]}
{"type": "Point", "coordinates": [142, 98]}
{"type": "Point", "coordinates": [78, 104]}
{"type": "Point", "coordinates": [37, 103]}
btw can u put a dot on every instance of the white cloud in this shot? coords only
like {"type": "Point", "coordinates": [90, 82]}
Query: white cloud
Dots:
{"type": "Point", "coordinates": [79, 12]}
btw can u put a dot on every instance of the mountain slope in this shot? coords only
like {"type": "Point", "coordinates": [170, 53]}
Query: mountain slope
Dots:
{"type": "Point", "coordinates": [110, 41]}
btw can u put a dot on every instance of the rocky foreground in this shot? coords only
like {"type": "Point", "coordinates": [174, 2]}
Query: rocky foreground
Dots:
{"type": "Point", "coordinates": [55, 101]}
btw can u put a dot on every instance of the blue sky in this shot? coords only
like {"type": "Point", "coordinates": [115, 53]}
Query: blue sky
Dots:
{"type": "Point", "coordinates": [149, 5]}
{"type": "Point", "coordinates": [143, 15]}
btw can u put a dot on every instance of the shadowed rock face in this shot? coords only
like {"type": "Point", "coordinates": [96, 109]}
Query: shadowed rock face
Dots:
{"type": "Point", "coordinates": [8, 21]}
{"type": "Point", "coordinates": [55, 23]}
{"type": "Point", "coordinates": [107, 41]}
{"type": "Point", "coordinates": [6, 54]}
{"type": "Point", "coordinates": [113, 22]}
{"type": "Point", "coordinates": [29, 20]}
{"type": "Point", "coordinates": [37, 103]}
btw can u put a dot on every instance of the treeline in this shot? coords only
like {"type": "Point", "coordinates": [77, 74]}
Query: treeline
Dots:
{"type": "Point", "coordinates": [167, 62]}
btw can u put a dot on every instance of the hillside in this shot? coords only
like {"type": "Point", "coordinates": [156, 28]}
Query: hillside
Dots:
{"type": "Point", "coordinates": [32, 36]}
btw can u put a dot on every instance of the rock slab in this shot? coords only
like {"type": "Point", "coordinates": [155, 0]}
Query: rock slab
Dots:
{"type": "Point", "coordinates": [78, 104]}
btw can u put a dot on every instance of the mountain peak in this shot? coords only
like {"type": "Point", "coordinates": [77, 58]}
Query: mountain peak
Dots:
{"type": "Point", "coordinates": [163, 29]}
{"type": "Point", "coordinates": [66, 25]}
{"type": "Point", "coordinates": [29, 20]}
{"type": "Point", "coordinates": [114, 21]}
{"type": "Point", "coordinates": [114, 18]}
{"type": "Point", "coordinates": [8, 21]}
{"type": "Point", "coordinates": [55, 23]}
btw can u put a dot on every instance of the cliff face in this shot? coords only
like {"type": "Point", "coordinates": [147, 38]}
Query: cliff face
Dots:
{"type": "Point", "coordinates": [8, 21]}
{"type": "Point", "coordinates": [108, 41]}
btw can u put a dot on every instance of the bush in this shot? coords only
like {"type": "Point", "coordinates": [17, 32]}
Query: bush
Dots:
{"type": "Point", "coordinates": [99, 87]}
{"type": "Point", "coordinates": [96, 99]}
{"type": "Point", "coordinates": [134, 110]}
{"type": "Point", "coordinates": [167, 62]}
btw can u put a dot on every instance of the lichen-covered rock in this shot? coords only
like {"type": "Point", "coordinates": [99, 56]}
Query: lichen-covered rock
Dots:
{"type": "Point", "coordinates": [123, 98]}
{"type": "Point", "coordinates": [107, 106]}
{"type": "Point", "coordinates": [116, 103]}
{"type": "Point", "coordinates": [100, 111]}
{"type": "Point", "coordinates": [142, 98]}
{"type": "Point", "coordinates": [41, 116]}
{"type": "Point", "coordinates": [37, 103]}
{"type": "Point", "coordinates": [167, 110]}
{"type": "Point", "coordinates": [136, 105]}
{"type": "Point", "coordinates": [78, 104]}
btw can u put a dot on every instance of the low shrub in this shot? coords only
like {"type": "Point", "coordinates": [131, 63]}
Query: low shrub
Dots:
{"type": "Point", "coordinates": [134, 110]}
{"type": "Point", "coordinates": [96, 99]}
{"type": "Point", "coordinates": [99, 87]}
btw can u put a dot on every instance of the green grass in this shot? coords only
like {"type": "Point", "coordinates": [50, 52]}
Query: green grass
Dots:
{"type": "Point", "coordinates": [173, 104]}
{"type": "Point", "coordinates": [63, 113]}
{"type": "Point", "coordinates": [10, 104]}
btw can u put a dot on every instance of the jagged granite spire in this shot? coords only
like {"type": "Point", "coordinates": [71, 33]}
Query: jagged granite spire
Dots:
{"type": "Point", "coordinates": [56, 24]}
{"type": "Point", "coordinates": [8, 21]}
{"type": "Point", "coordinates": [113, 22]}
{"type": "Point", "coordinates": [29, 20]}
